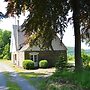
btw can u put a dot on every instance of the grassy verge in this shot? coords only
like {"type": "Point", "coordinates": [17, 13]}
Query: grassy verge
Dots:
{"type": "Point", "coordinates": [67, 80]}
{"type": "Point", "coordinates": [34, 78]}
{"type": "Point", "coordinates": [10, 83]}
{"type": "Point", "coordinates": [16, 68]}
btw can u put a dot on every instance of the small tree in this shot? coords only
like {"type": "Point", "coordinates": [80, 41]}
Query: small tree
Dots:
{"type": "Point", "coordinates": [85, 59]}
{"type": "Point", "coordinates": [61, 63]}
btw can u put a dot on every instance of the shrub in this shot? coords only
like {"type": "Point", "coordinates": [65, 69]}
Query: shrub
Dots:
{"type": "Point", "coordinates": [5, 57]}
{"type": "Point", "coordinates": [61, 63]}
{"type": "Point", "coordinates": [70, 58]}
{"type": "Point", "coordinates": [28, 64]}
{"type": "Point", "coordinates": [85, 59]}
{"type": "Point", "coordinates": [43, 64]}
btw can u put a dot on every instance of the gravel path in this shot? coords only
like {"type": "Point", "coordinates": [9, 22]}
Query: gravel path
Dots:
{"type": "Point", "coordinates": [24, 84]}
{"type": "Point", "coordinates": [2, 82]}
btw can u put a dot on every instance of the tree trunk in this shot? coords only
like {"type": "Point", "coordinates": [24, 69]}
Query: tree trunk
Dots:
{"type": "Point", "coordinates": [76, 11]}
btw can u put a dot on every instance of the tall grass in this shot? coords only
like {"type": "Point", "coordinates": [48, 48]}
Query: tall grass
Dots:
{"type": "Point", "coordinates": [80, 79]}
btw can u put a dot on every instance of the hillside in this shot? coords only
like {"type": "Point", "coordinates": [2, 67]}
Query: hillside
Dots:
{"type": "Point", "coordinates": [70, 51]}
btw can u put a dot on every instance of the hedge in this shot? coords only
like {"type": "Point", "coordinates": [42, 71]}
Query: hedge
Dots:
{"type": "Point", "coordinates": [43, 64]}
{"type": "Point", "coordinates": [28, 64]}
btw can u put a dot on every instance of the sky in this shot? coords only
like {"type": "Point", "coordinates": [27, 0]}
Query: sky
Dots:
{"type": "Point", "coordinates": [6, 24]}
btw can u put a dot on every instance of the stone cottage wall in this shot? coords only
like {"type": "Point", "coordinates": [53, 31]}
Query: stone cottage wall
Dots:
{"type": "Point", "coordinates": [51, 56]}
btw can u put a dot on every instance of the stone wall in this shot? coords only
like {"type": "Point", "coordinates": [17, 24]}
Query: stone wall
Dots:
{"type": "Point", "coordinates": [51, 56]}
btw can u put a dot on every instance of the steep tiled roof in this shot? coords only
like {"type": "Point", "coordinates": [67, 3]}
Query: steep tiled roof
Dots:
{"type": "Point", "coordinates": [18, 40]}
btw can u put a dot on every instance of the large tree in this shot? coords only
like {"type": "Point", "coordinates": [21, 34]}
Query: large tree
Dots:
{"type": "Point", "coordinates": [49, 17]}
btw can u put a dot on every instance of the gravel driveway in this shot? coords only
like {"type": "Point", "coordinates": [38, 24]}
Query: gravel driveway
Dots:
{"type": "Point", "coordinates": [24, 84]}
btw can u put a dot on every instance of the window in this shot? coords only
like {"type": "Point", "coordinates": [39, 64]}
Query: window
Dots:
{"type": "Point", "coordinates": [31, 57]}
{"type": "Point", "coordinates": [34, 57]}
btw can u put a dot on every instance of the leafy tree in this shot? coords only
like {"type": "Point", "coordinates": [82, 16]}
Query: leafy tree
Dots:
{"type": "Point", "coordinates": [1, 42]}
{"type": "Point", "coordinates": [6, 37]}
{"type": "Point", "coordinates": [49, 17]}
{"type": "Point", "coordinates": [6, 52]}
{"type": "Point", "coordinates": [5, 43]}
{"type": "Point", "coordinates": [85, 58]}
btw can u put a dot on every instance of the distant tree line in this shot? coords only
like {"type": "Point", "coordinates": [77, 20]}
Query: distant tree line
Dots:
{"type": "Point", "coordinates": [5, 44]}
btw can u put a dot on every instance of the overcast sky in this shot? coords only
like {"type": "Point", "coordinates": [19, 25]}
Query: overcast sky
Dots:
{"type": "Point", "coordinates": [6, 24]}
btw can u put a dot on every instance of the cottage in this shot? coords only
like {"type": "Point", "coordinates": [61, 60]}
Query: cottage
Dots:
{"type": "Point", "coordinates": [20, 51]}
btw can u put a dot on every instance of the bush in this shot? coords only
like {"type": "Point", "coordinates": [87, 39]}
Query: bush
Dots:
{"type": "Point", "coordinates": [43, 64]}
{"type": "Point", "coordinates": [28, 64]}
{"type": "Point", "coordinates": [70, 58]}
{"type": "Point", "coordinates": [5, 57]}
{"type": "Point", "coordinates": [61, 63]}
{"type": "Point", "coordinates": [85, 59]}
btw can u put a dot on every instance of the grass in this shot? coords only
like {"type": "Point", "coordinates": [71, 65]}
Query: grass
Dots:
{"type": "Point", "coordinates": [30, 75]}
{"type": "Point", "coordinates": [10, 83]}
{"type": "Point", "coordinates": [16, 68]}
{"type": "Point", "coordinates": [33, 78]}
{"type": "Point", "coordinates": [65, 80]}
{"type": "Point", "coordinates": [71, 80]}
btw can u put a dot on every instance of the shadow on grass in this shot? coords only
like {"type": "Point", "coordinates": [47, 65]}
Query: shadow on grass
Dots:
{"type": "Point", "coordinates": [38, 80]}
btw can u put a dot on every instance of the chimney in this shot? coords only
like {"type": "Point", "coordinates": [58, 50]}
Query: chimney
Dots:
{"type": "Point", "coordinates": [18, 33]}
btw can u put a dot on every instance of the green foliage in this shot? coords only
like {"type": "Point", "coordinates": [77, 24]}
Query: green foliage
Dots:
{"type": "Point", "coordinates": [70, 58]}
{"type": "Point", "coordinates": [67, 80]}
{"type": "Point", "coordinates": [85, 58]}
{"type": "Point", "coordinates": [61, 62]}
{"type": "Point", "coordinates": [47, 16]}
{"type": "Point", "coordinates": [43, 64]}
{"type": "Point", "coordinates": [43, 20]}
{"type": "Point", "coordinates": [6, 35]}
{"type": "Point", "coordinates": [5, 44]}
{"type": "Point", "coordinates": [28, 64]}
{"type": "Point", "coordinates": [80, 79]}
{"type": "Point", "coordinates": [6, 52]}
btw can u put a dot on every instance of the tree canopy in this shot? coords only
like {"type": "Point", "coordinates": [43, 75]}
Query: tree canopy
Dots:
{"type": "Point", "coordinates": [49, 17]}
{"type": "Point", "coordinates": [43, 19]}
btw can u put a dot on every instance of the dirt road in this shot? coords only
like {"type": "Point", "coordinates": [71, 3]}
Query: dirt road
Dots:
{"type": "Point", "coordinates": [24, 84]}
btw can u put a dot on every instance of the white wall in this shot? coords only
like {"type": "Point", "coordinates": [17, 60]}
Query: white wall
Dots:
{"type": "Point", "coordinates": [13, 41]}
{"type": "Point", "coordinates": [21, 57]}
